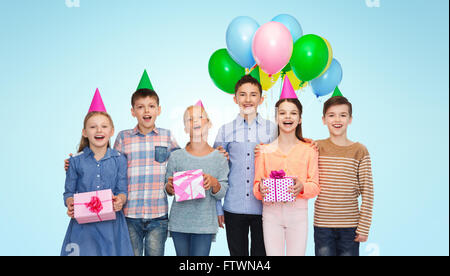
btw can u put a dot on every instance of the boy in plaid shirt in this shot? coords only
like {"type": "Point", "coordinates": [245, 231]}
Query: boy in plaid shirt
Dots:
{"type": "Point", "coordinates": [147, 149]}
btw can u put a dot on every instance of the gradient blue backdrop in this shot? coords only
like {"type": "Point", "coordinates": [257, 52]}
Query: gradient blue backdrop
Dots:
{"type": "Point", "coordinates": [52, 57]}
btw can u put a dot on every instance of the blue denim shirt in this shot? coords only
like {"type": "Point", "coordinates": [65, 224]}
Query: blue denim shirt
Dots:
{"type": "Point", "coordinates": [239, 139]}
{"type": "Point", "coordinates": [86, 174]}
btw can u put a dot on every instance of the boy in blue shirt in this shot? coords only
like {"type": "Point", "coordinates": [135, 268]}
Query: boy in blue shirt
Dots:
{"type": "Point", "coordinates": [241, 211]}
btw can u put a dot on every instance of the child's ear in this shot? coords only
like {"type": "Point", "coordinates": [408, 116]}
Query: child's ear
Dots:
{"type": "Point", "coordinates": [83, 133]}
{"type": "Point", "coordinates": [132, 112]}
{"type": "Point", "coordinates": [262, 100]}
{"type": "Point", "coordinates": [235, 100]}
{"type": "Point", "coordinates": [159, 110]}
{"type": "Point", "coordinates": [323, 120]}
{"type": "Point", "coordinates": [350, 120]}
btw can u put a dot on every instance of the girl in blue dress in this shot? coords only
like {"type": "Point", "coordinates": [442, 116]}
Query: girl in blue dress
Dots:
{"type": "Point", "coordinates": [97, 167]}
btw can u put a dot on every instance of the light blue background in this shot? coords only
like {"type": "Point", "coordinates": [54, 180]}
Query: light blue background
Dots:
{"type": "Point", "coordinates": [395, 64]}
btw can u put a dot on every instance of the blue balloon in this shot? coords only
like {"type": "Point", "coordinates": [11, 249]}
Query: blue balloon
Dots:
{"type": "Point", "coordinates": [291, 23]}
{"type": "Point", "coordinates": [239, 40]}
{"type": "Point", "coordinates": [326, 83]}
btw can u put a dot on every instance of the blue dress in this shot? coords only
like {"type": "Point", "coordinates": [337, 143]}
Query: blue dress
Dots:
{"type": "Point", "coordinates": [85, 174]}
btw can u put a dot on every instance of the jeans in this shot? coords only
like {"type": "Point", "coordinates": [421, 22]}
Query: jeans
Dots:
{"type": "Point", "coordinates": [335, 242]}
{"type": "Point", "coordinates": [148, 236]}
{"type": "Point", "coordinates": [187, 244]}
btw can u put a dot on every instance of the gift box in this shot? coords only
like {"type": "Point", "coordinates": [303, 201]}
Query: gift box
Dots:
{"type": "Point", "coordinates": [94, 206]}
{"type": "Point", "coordinates": [188, 185]}
{"type": "Point", "coordinates": [278, 185]}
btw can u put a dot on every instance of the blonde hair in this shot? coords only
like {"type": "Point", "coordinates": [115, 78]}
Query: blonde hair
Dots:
{"type": "Point", "coordinates": [84, 142]}
{"type": "Point", "coordinates": [186, 112]}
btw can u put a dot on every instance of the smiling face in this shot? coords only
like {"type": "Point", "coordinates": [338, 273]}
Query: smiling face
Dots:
{"type": "Point", "coordinates": [146, 110]}
{"type": "Point", "coordinates": [98, 130]}
{"type": "Point", "coordinates": [337, 118]}
{"type": "Point", "coordinates": [196, 123]}
{"type": "Point", "coordinates": [248, 97]}
{"type": "Point", "coordinates": [288, 117]}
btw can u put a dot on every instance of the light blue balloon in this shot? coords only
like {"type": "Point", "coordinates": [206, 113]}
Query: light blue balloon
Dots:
{"type": "Point", "coordinates": [326, 83]}
{"type": "Point", "coordinates": [291, 23]}
{"type": "Point", "coordinates": [239, 39]}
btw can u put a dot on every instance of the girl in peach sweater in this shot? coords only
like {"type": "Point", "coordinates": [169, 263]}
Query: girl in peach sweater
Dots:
{"type": "Point", "coordinates": [285, 224]}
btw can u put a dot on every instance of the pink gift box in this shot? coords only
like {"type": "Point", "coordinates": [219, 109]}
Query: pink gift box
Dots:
{"type": "Point", "coordinates": [188, 185]}
{"type": "Point", "coordinates": [278, 189]}
{"type": "Point", "coordinates": [94, 206]}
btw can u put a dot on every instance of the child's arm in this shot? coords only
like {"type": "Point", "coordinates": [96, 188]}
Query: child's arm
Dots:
{"type": "Point", "coordinates": [259, 175]}
{"type": "Point", "coordinates": [168, 188]}
{"type": "Point", "coordinates": [121, 189]}
{"type": "Point", "coordinates": [173, 143]}
{"type": "Point", "coordinates": [311, 187]}
{"type": "Point", "coordinates": [118, 145]}
{"type": "Point", "coordinates": [220, 143]}
{"type": "Point", "coordinates": [70, 187]}
{"type": "Point", "coordinates": [365, 182]}
{"type": "Point", "coordinates": [222, 178]}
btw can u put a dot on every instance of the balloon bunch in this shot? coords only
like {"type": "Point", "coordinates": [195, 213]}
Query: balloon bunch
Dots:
{"type": "Point", "coordinates": [276, 48]}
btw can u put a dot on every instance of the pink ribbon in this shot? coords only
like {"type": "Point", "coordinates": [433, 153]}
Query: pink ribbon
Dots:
{"type": "Point", "coordinates": [277, 174]}
{"type": "Point", "coordinates": [95, 205]}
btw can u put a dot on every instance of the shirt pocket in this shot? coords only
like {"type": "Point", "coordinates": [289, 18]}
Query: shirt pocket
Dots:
{"type": "Point", "coordinates": [161, 154]}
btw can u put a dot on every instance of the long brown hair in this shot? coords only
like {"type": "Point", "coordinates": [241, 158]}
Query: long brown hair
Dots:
{"type": "Point", "coordinates": [298, 129]}
{"type": "Point", "coordinates": [84, 142]}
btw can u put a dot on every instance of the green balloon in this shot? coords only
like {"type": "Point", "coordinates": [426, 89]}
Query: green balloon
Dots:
{"type": "Point", "coordinates": [309, 57]}
{"type": "Point", "coordinates": [255, 73]}
{"type": "Point", "coordinates": [286, 68]}
{"type": "Point", "coordinates": [224, 71]}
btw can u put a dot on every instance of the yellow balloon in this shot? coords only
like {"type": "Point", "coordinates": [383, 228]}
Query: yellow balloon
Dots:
{"type": "Point", "coordinates": [296, 83]}
{"type": "Point", "coordinates": [266, 81]}
{"type": "Point", "coordinates": [330, 57]}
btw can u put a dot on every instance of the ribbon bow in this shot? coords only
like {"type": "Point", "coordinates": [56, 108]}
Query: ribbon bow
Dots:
{"type": "Point", "coordinates": [277, 174]}
{"type": "Point", "coordinates": [95, 205]}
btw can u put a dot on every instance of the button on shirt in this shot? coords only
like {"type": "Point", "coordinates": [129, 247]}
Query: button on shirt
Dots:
{"type": "Point", "coordinates": [86, 174]}
{"type": "Point", "coordinates": [147, 159]}
{"type": "Point", "coordinates": [239, 139]}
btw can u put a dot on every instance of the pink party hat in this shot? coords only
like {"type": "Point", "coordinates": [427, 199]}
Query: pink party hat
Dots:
{"type": "Point", "coordinates": [97, 103]}
{"type": "Point", "coordinates": [199, 103]}
{"type": "Point", "coordinates": [288, 91]}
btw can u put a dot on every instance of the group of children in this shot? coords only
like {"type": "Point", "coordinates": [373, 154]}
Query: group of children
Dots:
{"type": "Point", "coordinates": [140, 170]}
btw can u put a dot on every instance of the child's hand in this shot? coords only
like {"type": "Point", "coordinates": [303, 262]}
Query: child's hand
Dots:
{"type": "Point", "coordinates": [118, 202]}
{"type": "Point", "coordinates": [224, 152]}
{"type": "Point", "coordinates": [66, 163]}
{"type": "Point", "coordinates": [297, 188]}
{"type": "Point", "coordinates": [312, 143]}
{"type": "Point", "coordinates": [263, 189]}
{"type": "Point", "coordinates": [169, 186]}
{"type": "Point", "coordinates": [221, 221]}
{"type": "Point", "coordinates": [70, 208]}
{"type": "Point", "coordinates": [360, 238]}
{"type": "Point", "coordinates": [210, 182]}
{"type": "Point", "coordinates": [258, 149]}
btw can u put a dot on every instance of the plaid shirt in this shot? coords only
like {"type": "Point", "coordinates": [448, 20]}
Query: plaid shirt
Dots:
{"type": "Point", "coordinates": [147, 157]}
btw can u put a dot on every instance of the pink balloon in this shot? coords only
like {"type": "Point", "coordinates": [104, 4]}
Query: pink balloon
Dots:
{"type": "Point", "coordinates": [272, 47]}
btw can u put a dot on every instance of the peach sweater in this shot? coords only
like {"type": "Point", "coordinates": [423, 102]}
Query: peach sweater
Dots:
{"type": "Point", "coordinates": [301, 161]}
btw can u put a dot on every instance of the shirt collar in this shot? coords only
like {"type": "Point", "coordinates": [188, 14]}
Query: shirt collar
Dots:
{"type": "Point", "coordinates": [240, 120]}
{"type": "Point", "coordinates": [109, 153]}
{"type": "Point", "coordinates": [136, 131]}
